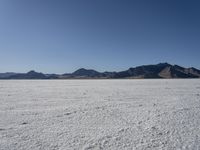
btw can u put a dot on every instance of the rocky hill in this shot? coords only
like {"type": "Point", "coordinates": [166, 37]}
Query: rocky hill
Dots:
{"type": "Point", "coordinates": [161, 70]}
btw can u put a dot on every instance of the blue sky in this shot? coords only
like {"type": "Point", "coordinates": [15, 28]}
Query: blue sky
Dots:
{"type": "Point", "coordinates": [59, 36]}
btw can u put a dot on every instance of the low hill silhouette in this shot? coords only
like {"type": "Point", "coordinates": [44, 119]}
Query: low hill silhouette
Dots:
{"type": "Point", "coordinates": [161, 70]}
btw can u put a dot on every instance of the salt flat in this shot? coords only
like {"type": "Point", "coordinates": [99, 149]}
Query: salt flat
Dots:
{"type": "Point", "coordinates": [99, 114]}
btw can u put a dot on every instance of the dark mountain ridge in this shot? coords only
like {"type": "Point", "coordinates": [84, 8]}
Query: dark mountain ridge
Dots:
{"type": "Point", "coordinates": [29, 75]}
{"type": "Point", "coordinates": [161, 70]}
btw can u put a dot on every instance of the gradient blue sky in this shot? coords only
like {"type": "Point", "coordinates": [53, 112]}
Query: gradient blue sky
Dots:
{"type": "Point", "coordinates": [63, 35]}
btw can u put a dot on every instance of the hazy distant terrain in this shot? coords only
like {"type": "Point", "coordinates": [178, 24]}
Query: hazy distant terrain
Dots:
{"type": "Point", "coordinates": [99, 114]}
{"type": "Point", "coordinates": [161, 70]}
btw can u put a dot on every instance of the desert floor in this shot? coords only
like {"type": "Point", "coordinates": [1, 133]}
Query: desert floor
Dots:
{"type": "Point", "coordinates": [99, 114]}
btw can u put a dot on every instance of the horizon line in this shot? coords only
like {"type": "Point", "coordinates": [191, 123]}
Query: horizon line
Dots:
{"type": "Point", "coordinates": [97, 70]}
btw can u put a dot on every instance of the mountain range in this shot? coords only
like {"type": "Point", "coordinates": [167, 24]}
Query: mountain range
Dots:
{"type": "Point", "coordinates": [161, 70]}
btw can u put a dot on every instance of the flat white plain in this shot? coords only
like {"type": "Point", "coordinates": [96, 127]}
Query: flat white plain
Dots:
{"type": "Point", "coordinates": [99, 114]}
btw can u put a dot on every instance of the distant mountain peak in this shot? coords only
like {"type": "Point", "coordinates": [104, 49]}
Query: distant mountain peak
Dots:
{"type": "Point", "coordinates": [83, 69]}
{"type": "Point", "coordinates": [86, 72]}
{"type": "Point", "coordinates": [161, 70]}
{"type": "Point", "coordinates": [31, 72]}
{"type": "Point", "coordinates": [164, 64]}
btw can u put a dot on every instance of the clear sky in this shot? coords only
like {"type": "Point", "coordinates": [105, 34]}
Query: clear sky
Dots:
{"type": "Point", "coordinates": [59, 36]}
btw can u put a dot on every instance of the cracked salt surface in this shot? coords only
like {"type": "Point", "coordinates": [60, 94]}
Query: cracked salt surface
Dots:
{"type": "Point", "coordinates": [99, 114]}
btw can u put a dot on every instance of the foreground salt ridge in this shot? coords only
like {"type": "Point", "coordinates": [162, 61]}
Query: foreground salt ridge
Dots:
{"type": "Point", "coordinates": [100, 114]}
